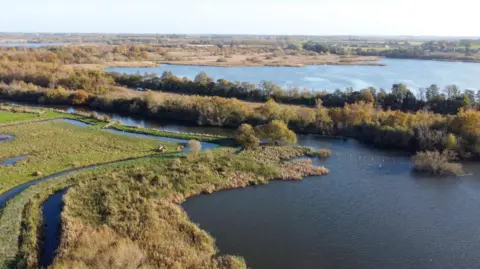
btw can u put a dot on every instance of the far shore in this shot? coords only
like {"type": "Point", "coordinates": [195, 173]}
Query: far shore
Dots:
{"type": "Point", "coordinates": [365, 61]}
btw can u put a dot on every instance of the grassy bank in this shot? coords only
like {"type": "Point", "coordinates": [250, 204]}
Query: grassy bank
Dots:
{"type": "Point", "coordinates": [16, 212]}
{"type": "Point", "coordinates": [134, 208]}
{"type": "Point", "coordinates": [52, 147]}
{"type": "Point", "coordinates": [216, 139]}
{"type": "Point", "coordinates": [8, 117]}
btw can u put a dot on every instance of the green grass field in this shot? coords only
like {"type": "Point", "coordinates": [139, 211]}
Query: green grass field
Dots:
{"type": "Point", "coordinates": [7, 117]}
{"type": "Point", "coordinates": [52, 147]}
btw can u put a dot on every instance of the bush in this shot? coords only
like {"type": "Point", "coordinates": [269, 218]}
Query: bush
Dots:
{"type": "Point", "coordinates": [246, 137]}
{"type": "Point", "coordinates": [195, 147]}
{"type": "Point", "coordinates": [437, 163]}
{"type": "Point", "coordinates": [277, 131]}
{"type": "Point", "coordinates": [324, 153]}
{"type": "Point", "coordinates": [79, 97]}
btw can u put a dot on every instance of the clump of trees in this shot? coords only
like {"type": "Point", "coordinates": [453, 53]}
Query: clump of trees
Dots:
{"type": "Point", "coordinates": [247, 137]}
{"type": "Point", "coordinates": [448, 101]}
{"type": "Point", "coordinates": [393, 129]}
{"type": "Point", "coordinates": [276, 131]}
{"type": "Point", "coordinates": [437, 163]}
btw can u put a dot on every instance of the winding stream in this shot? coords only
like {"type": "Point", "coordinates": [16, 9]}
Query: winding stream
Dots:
{"type": "Point", "coordinates": [51, 211]}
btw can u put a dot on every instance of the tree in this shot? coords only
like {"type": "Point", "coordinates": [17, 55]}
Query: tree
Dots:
{"type": "Point", "coordinates": [247, 137]}
{"type": "Point", "coordinates": [195, 147]}
{"type": "Point", "coordinates": [167, 75]}
{"type": "Point", "coordinates": [276, 131]}
{"type": "Point", "coordinates": [432, 92]}
{"type": "Point", "coordinates": [478, 96]}
{"type": "Point", "coordinates": [471, 95]}
{"type": "Point", "coordinates": [269, 88]}
{"type": "Point", "coordinates": [79, 97]}
{"type": "Point", "coordinates": [294, 46]}
{"type": "Point", "coordinates": [452, 91]}
{"type": "Point", "coordinates": [468, 121]}
{"type": "Point", "coordinates": [203, 79]}
{"type": "Point", "coordinates": [367, 96]}
{"type": "Point", "coordinates": [400, 91]}
{"type": "Point", "coordinates": [450, 142]}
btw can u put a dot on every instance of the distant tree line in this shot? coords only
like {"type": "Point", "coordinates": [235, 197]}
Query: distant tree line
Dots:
{"type": "Point", "coordinates": [399, 97]}
{"type": "Point", "coordinates": [390, 129]}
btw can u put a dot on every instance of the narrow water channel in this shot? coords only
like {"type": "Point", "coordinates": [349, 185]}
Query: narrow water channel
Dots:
{"type": "Point", "coordinates": [51, 211]}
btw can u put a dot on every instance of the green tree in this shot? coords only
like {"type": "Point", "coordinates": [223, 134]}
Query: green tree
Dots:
{"type": "Point", "coordinates": [450, 142]}
{"type": "Point", "coordinates": [247, 137]}
{"type": "Point", "coordinates": [276, 131]}
{"type": "Point", "coordinates": [203, 79]}
{"type": "Point", "coordinates": [432, 92]}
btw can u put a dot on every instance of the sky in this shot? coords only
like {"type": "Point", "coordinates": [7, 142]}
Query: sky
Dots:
{"type": "Point", "coordinates": [276, 17]}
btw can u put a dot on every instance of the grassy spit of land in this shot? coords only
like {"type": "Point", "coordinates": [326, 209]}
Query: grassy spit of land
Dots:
{"type": "Point", "coordinates": [134, 208]}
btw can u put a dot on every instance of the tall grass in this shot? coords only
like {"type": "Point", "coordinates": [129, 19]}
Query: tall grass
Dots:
{"type": "Point", "coordinates": [437, 163]}
{"type": "Point", "coordinates": [134, 208]}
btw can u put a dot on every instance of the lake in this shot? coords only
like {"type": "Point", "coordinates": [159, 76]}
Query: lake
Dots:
{"type": "Point", "coordinates": [369, 212]}
{"type": "Point", "coordinates": [414, 73]}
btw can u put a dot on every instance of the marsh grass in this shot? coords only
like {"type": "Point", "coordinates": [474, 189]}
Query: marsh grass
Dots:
{"type": "Point", "coordinates": [217, 139]}
{"type": "Point", "coordinates": [134, 208]}
{"type": "Point", "coordinates": [437, 163]}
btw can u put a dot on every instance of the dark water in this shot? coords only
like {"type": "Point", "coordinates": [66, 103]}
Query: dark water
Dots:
{"type": "Point", "coordinates": [369, 212]}
{"type": "Point", "coordinates": [51, 211]}
{"type": "Point", "coordinates": [414, 73]}
{"type": "Point", "coordinates": [12, 161]}
{"type": "Point", "coordinates": [5, 137]}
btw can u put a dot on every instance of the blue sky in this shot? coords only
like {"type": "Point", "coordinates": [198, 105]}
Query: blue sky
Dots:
{"type": "Point", "coordinates": [320, 17]}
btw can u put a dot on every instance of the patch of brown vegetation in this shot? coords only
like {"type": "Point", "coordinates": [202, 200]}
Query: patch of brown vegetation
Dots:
{"type": "Point", "coordinates": [265, 59]}
{"type": "Point", "coordinates": [134, 208]}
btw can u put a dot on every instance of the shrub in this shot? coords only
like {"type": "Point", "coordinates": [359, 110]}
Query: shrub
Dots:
{"type": "Point", "coordinates": [80, 97]}
{"type": "Point", "coordinates": [246, 137]}
{"type": "Point", "coordinates": [195, 147]}
{"type": "Point", "coordinates": [277, 131]}
{"type": "Point", "coordinates": [450, 142]}
{"type": "Point", "coordinates": [437, 163]}
{"type": "Point", "coordinates": [324, 153]}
